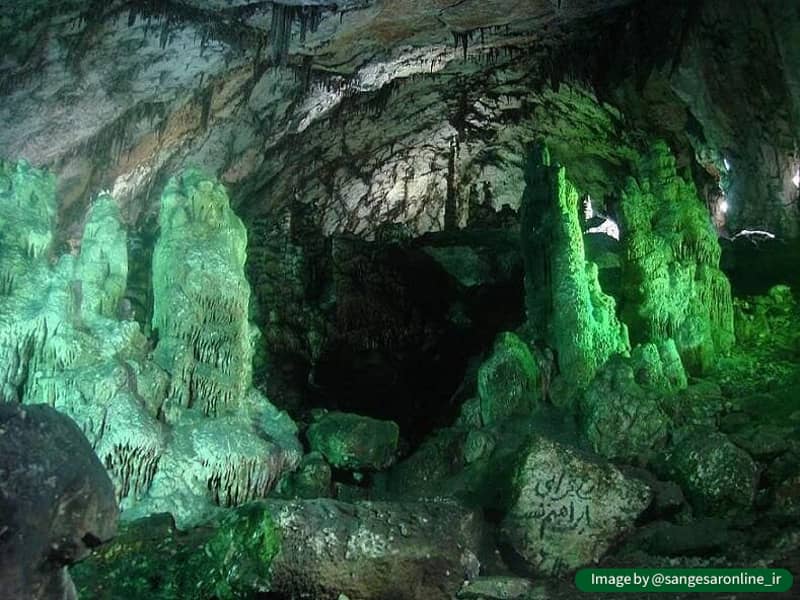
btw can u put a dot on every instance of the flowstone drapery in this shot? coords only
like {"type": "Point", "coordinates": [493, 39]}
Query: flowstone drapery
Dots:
{"type": "Point", "coordinates": [673, 285]}
{"type": "Point", "coordinates": [62, 342]}
{"type": "Point", "coordinates": [201, 297]}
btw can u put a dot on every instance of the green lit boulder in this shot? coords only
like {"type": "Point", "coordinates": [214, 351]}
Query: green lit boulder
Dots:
{"type": "Point", "coordinates": [567, 509]}
{"type": "Point", "coordinates": [312, 479]}
{"type": "Point", "coordinates": [625, 411]}
{"type": "Point", "coordinates": [622, 419]}
{"type": "Point", "coordinates": [508, 381]}
{"type": "Point", "coordinates": [151, 560]}
{"type": "Point", "coordinates": [718, 477]}
{"type": "Point", "coordinates": [349, 441]}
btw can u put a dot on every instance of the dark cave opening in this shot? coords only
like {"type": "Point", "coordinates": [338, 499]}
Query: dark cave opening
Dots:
{"type": "Point", "coordinates": [406, 330]}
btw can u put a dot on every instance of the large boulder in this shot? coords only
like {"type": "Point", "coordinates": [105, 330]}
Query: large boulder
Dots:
{"type": "Point", "coordinates": [567, 509]}
{"type": "Point", "coordinates": [718, 477]}
{"type": "Point", "coordinates": [621, 410]}
{"type": "Point", "coordinates": [349, 441]}
{"type": "Point", "coordinates": [367, 550]}
{"type": "Point", "coordinates": [56, 502]}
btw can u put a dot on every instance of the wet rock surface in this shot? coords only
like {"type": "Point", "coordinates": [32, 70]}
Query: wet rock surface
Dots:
{"type": "Point", "coordinates": [56, 502]}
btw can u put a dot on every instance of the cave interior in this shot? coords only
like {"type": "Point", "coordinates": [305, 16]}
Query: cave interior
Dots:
{"type": "Point", "coordinates": [390, 299]}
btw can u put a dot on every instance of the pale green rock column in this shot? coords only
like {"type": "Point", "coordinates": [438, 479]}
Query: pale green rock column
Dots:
{"type": "Point", "coordinates": [201, 297]}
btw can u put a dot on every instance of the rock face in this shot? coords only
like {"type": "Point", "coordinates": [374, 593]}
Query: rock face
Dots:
{"type": "Point", "coordinates": [508, 381]}
{"type": "Point", "coordinates": [568, 511]}
{"type": "Point", "coordinates": [227, 558]}
{"type": "Point", "coordinates": [367, 550]}
{"type": "Point", "coordinates": [163, 427]}
{"type": "Point", "coordinates": [56, 502]}
{"type": "Point", "coordinates": [349, 441]}
{"type": "Point", "coordinates": [623, 409]}
{"type": "Point", "coordinates": [565, 304]}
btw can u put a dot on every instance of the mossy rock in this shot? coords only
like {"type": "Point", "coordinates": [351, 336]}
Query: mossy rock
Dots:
{"type": "Point", "coordinates": [718, 477]}
{"type": "Point", "coordinates": [349, 441]}
{"type": "Point", "coordinates": [152, 560]}
{"type": "Point", "coordinates": [508, 381]}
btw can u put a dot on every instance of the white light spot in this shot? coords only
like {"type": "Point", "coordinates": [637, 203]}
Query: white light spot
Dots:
{"type": "Point", "coordinates": [748, 233]}
{"type": "Point", "coordinates": [796, 179]}
{"type": "Point", "coordinates": [727, 164]}
{"type": "Point", "coordinates": [723, 206]}
{"type": "Point", "coordinates": [608, 227]}
{"type": "Point", "coordinates": [588, 209]}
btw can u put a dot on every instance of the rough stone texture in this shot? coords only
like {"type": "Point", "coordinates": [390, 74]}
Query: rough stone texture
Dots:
{"type": "Point", "coordinates": [498, 588]}
{"type": "Point", "coordinates": [400, 550]}
{"type": "Point", "coordinates": [226, 558]}
{"type": "Point", "coordinates": [65, 341]}
{"type": "Point", "coordinates": [312, 479]}
{"type": "Point", "coordinates": [204, 336]}
{"type": "Point", "coordinates": [565, 304]}
{"type": "Point", "coordinates": [673, 286]}
{"type": "Point", "coordinates": [349, 441]}
{"type": "Point", "coordinates": [119, 96]}
{"type": "Point", "coordinates": [253, 85]}
{"type": "Point", "coordinates": [622, 418]}
{"type": "Point", "coordinates": [508, 381]}
{"type": "Point", "coordinates": [718, 477]}
{"type": "Point", "coordinates": [567, 511]}
{"type": "Point", "coordinates": [763, 67]}
{"type": "Point", "coordinates": [56, 502]}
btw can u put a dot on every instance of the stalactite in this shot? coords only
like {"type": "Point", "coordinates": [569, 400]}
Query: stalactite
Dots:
{"type": "Point", "coordinates": [284, 16]}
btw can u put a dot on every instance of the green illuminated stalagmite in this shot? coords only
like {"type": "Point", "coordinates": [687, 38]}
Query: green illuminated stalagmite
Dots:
{"type": "Point", "coordinates": [201, 296]}
{"type": "Point", "coordinates": [565, 304]}
{"type": "Point", "coordinates": [673, 286]}
{"type": "Point", "coordinates": [227, 441]}
{"type": "Point", "coordinates": [62, 342]}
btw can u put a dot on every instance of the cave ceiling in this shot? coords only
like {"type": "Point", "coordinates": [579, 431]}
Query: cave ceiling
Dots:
{"type": "Point", "coordinates": [374, 111]}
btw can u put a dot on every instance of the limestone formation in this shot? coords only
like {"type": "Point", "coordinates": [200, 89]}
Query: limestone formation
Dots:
{"type": "Point", "coordinates": [626, 408]}
{"type": "Point", "coordinates": [718, 477]}
{"type": "Point", "coordinates": [399, 550]}
{"type": "Point", "coordinates": [567, 510]}
{"type": "Point", "coordinates": [673, 285]}
{"type": "Point", "coordinates": [62, 343]}
{"type": "Point", "coordinates": [508, 381]}
{"type": "Point", "coordinates": [201, 297]}
{"type": "Point", "coordinates": [565, 304]}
